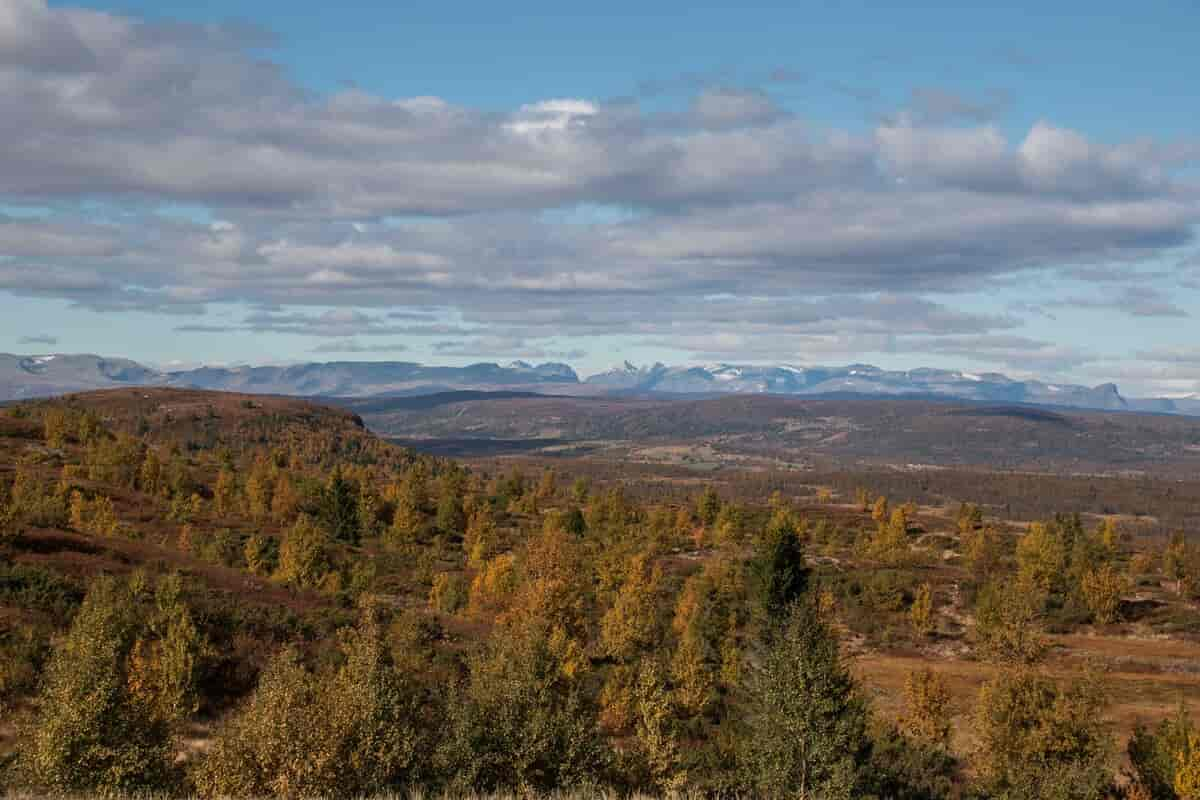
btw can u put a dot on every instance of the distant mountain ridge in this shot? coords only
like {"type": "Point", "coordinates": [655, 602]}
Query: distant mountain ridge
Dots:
{"type": "Point", "coordinates": [59, 373]}
{"type": "Point", "coordinates": [862, 379]}
{"type": "Point", "coordinates": [52, 374]}
{"type": "Point", "coordinates": [365, 378]}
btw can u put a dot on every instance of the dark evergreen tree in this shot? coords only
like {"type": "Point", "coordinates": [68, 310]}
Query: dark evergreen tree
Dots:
{"type": "Point", "coordinates": [339, 508]}
{"type": "Point", "coordinates": [778, 572]}
{"type": "Point", "coordinates": [807, 726]}
{"type": "Point", "coordinates": [575, 523]}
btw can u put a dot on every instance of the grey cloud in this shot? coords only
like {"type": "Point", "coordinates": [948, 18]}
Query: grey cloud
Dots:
{"type": "Point", "coordinates": [1033, 309]}
{"type": "Point", "coordinates": [727, 108]}
{"type": "Point", "coordinates": [351, 346]}
{"type": "Point", "coordinates": [45, 339]}
{"type": "Point", "coordinates": [254, 140]}
{"type": "Point", "coordinates": [341, 324]}
{"type": "Point", "coordinates": [422, 316]}
{"type": "Point", "coordinates": [203, 328]}
{"type": "Point", "coordinates": [1184, 356]}
{"type": "Point", "coordinates": [1153, 377]}
{"type": "Point", "coordinates": [1136, 301]}
{"type": "Point", "coordinates": [764, 318]}
{"type": "Point", "coordinates": [1017, 352]}
{"type": "Point", "coordinates": [1049, 162]}
{"type": "Point", "coordinates": [1113, 273]}
{"type": "Point", "coordinates": [505, 346]}
{"type": "Point", "coordinates": [1188, 272]}
{"type": "Point", "coordinates": [38, 239]}
{"type": "Point", "coordinates": [847, 341]}
{"type": "Point", "coordinates": [265, 143]}
{"type": "Point", "coordinates": [38, 280]}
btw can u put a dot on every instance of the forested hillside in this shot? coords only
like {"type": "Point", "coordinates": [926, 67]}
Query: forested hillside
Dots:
{"type": "Point", "coordinates": [227, 595]}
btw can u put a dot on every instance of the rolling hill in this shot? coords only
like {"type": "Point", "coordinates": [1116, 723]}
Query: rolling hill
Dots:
{"type": "Point", "coordinates": [846, 430]}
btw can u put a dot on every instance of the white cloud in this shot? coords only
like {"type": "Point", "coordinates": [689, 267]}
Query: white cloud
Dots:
{"type": "Point", "coordinates": [550, 115]}
{"type": "Point", "coordinates": [368, 203]}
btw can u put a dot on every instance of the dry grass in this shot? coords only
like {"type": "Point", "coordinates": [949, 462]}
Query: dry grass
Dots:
{"type": "Point", "coordinates": [574, 794]}
{"type": "Point", "coordinates": [1143, 676]}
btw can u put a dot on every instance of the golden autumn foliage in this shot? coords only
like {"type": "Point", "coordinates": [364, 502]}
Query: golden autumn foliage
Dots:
{"type": "Point", "coordinates": [96, 517]}
{"type": "Point", "coordinates": [449, 593]}
{"type": "Point", "coordinates": [225, 492]}
{"type": "Point", "coordinates": [259, 486]}
{"type": "Point", "coordinates": [694, 671]}
{"type": "Point", "coordinates": [656, 730]}
{"type": "Point", "coordinates": [303, 554]}
{"type": "Point", "coordinates": [1041, 557]}
{"type": "Point", "coordinates": [729, 526]}
{"type": "Point", "coordinates": [408, 523]}
{"type": "Point", "coordinates": [519, 720]}
{"type": "Point", "coordinates": [1187, 769]}
{"type": "Point", "coordinates": [164, 663]}
{"type": "Point", "coordinates": [480, 540]}
{"type": "Point", "coordinates": [1102, 590]}
{"type": "Point", "coordinates": [112, 689]}
{"type": "Point", "coordinates": [631, 623]}
{"type": "Point", "coordinates": [356, 731]}
{"type": "Point", "coordinates": [678, 636]}
{"type": "Point", "coordinates": [1181, 563]}
{"type": "Point", "coordinates": [1038, 738]}
{"type": "Point", "coordinates": [890, 542]}
{"type": "Point", "coordinates": [921, 612]}
{"type": "Point", "coordinates": [926, 716]}
{"type": "Point", "coordinates": [982, 551]}
{"type": "Point", "coordinates": [1008, 625]}
{"type": "Point", "coordinates": [284, 501]}
{"type": "Point", "coordinates": [553, 584]}
{"type": "Point", "coordinates": [493, 585]}
{"type": "Point", "coordinates": [256, 552]}
{"type": "Point", "coordinates": [616, 699]}
{"type": "Point", "coordinates": [879, 511]}
{"type": "Point", "coordinates": [29, 501]}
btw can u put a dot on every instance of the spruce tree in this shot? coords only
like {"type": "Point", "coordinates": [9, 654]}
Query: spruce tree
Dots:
{"type": "Point", "coordinates": [807, 735]}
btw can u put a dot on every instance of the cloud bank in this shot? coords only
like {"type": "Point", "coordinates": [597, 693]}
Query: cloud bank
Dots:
{"type": "Point", "coordinates": [732, 226]}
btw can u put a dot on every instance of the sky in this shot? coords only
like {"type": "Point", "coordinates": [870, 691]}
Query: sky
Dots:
{"type": "Point", "coordinates": [1012, 189]}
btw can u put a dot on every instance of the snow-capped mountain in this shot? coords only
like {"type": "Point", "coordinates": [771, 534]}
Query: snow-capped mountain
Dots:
{"type": "Point", "coordinates": [626, 376]}
{"type": "Point", "coordinates": [40, 376]}
{"type": "Point", "coordinates": [59, 373]}
{"type": "Point", "coordinates": [856, 379]}
{"type": "Point", "coordinates": [365, 378]}
{"type": "Point", "coordinates": [51, 374]}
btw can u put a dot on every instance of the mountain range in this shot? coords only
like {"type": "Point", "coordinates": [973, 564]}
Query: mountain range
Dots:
{"type": "Point", "coordinates": [51, 374]}
{"type": "Point", "coordinates": [865, 379]}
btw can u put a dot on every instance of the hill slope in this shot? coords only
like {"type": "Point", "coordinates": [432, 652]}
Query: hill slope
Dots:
{"type": "Point", "coordinates": [844, 430]}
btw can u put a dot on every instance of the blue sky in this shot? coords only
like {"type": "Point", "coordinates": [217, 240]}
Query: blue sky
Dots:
{"type": "Point", "coordinates": [1097, 66]}
{"type": "Point", "coordinates": [1010, 188]}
